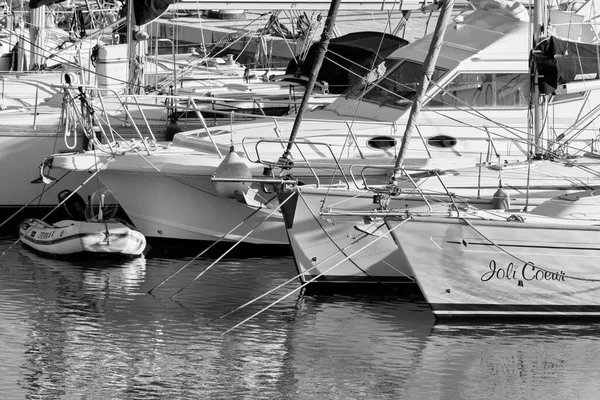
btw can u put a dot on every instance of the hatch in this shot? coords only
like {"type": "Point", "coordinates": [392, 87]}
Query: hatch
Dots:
{"type": "Point", "coordinates": [381, 142]}
{"type": "Point", "coordinates": [442, 141]}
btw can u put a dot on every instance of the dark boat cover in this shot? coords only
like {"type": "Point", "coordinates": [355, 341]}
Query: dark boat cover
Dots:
{"type": "Point", "coordinates": [38, 3]}
{"type": "Point", "coordinates": [560, 61]}
{"type": "Point", "coordinates": [148, 10]}
{"type": "Point", "coordinates": [357, 52]}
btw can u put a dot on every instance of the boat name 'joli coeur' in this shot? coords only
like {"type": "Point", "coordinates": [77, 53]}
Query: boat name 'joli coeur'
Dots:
{"type": "Point", "coordinates": [527, 272]}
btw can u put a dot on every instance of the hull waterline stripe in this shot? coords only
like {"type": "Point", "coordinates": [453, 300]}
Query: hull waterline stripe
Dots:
{"type": "Point", "coordinates": [516, 309]}
{"type": "Point", "coordinates": [357, 279]}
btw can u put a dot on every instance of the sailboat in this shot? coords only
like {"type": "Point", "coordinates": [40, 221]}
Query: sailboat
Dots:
{"type": "Point", "coordinates": [537, 264]}
{"type": "Point", "coordinates": [178, 176]}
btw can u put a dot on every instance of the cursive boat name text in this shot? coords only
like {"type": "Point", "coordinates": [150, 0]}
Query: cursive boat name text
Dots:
{"type": "Point", "coordinates": [527, 272]}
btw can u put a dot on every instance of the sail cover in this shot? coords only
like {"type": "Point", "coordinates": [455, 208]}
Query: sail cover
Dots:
{"type": "Point", "coordinates": [560, 61]}
{"type": "Point", "coordinates": [349, 55]}
{"type": "Point", "coordinates": [148, 10]}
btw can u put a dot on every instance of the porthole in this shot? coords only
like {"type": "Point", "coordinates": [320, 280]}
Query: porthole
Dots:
{"type": "Point", "coordinates": [441, 141]}
{"type": "Point", "coordinates": [381, 142]}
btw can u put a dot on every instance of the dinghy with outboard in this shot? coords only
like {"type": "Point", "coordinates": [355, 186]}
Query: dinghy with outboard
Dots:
{"type": "Point", "coordinates": [97, 232]}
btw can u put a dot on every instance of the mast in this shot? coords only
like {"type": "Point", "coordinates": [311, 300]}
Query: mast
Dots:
{"type": "Point", "coordinates": [136, 36]}
{"type": "Point", "coordinates": [37, 32]}
{"type": "Point", "coordinates": [320, 56]}
{"type": "Point", "coordinates": [539, 101]}
{"type": "Point", "coordinates": [130, 47]}
{"type": "Point", "coordinates": [429, 67]}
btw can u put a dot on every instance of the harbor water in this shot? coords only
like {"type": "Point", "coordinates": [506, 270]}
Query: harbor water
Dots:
{"type": "Point", "coordinates": [86, 328]}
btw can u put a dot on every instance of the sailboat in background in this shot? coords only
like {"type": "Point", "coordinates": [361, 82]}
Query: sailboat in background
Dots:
{"type": "Point", "coordinates": [538, 264]}
{"type": "Point", "coordinates": [35, 53]}
{"type": "Point", "coordinates": [37, 117]}
{"type": "Point", "coordinates": [43, 111]}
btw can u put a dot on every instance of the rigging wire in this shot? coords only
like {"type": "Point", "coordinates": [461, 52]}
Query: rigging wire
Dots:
{"type": "Point", "coordinates": [305, 284]}
{"type": "Point", "coordinates": [206, 250]}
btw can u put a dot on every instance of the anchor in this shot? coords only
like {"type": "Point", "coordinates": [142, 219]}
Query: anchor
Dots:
{"type": "Point", "coordinates": [44, 178]}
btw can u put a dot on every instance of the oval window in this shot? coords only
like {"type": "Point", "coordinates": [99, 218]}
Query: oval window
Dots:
{"type": "Point", "coordinates": [381, 142]}
{"type": "Point", "coordinates": [441, 141]}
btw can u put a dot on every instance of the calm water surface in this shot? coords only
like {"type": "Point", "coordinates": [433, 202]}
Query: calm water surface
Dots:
{"type": "Point", "coordinates": [87, 329]}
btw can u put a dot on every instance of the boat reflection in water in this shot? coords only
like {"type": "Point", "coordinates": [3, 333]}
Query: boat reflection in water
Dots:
{"type": "Point", "coordinates": [365, 346]}
{"type": "Point", "coordinates": [508, 361]}
{"type": "Point", "coordinates": [66, 313]}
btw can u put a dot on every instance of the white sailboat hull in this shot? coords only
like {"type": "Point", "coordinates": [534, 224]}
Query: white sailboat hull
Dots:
{"type": "Point", "coordinates": [188, 208]}
{"type": "Point", "coordinates": [344, 248]}
{"type": "Point", "coordinates": [503, 269]}
{"type": "Point", "coordinates": [332, 225]}
{"type": "Point", "coordinates": [21, 154]}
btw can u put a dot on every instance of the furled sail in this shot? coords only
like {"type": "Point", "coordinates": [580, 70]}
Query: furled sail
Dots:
{"type": "Point", "coordinates": [560, 61]}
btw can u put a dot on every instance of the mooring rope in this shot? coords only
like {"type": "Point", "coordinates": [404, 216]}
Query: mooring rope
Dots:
{"type": "Point", "coordinates": [340, 250]}
{"type": "Point", "coordinates": [207, 249]}
{"type": "Point", "coordinates": [232, 247]}
{"type": "Point", "coordinates": [51, 211]}
{"type": "Point", "coordinates": [47, 188]}
{"type": "Point", "coordinates": [306, 283]}
{"type": "Point", "coordinates": [298, 276]}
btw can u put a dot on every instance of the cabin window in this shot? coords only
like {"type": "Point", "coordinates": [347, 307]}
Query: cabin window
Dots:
{"type": "Point", "coordinates": [399, 87]}
{"type": "Point", "coordinates": [381, 142]}
{"type": "Point", "coordinates": [441, 141]}
{"type": "Point", "coordinates": [484, 90]}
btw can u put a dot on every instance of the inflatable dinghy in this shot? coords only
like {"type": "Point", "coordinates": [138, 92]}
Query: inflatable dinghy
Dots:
{"type": "Point", "coordinates": [71, 237]}
{"type": "Point", "coordinates": [90, 228]}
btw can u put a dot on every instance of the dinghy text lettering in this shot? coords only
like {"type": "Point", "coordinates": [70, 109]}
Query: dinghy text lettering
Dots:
{"type": "Point", "coordinates": [46, 235]}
